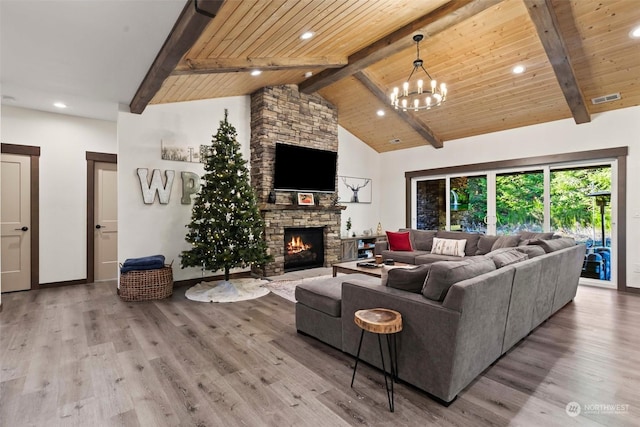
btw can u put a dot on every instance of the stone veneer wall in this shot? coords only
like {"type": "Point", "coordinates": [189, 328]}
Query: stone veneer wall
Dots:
{"type": "Point", "coordinates": [283, 114]}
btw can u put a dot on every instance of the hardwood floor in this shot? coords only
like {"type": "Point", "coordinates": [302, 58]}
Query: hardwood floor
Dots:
{"type": "Point", "coordinates": [78, 355]}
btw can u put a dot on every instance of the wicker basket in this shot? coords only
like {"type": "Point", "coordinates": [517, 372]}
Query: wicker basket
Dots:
{"type": "Point", "coordinates": [146, 284]}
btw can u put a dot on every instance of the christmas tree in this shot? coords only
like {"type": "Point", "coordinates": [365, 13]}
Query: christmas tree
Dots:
{"type": "Point", "coordinates": [226, 229]}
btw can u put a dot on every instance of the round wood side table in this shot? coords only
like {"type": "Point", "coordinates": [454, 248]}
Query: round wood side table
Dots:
{"type": "Point", "coordinates": [381, 321]}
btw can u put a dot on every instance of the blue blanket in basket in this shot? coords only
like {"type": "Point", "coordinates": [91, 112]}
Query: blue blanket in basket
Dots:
{"type": "Point", "coordinates": [144, 263]}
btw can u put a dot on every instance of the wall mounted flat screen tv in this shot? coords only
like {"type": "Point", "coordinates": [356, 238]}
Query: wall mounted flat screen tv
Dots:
{"type": "Point", "coordinates": [304, 169]}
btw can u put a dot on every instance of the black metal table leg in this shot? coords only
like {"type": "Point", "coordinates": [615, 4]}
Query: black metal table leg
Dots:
{"type": "Point", "coordinates": [357, 358]}
{"type": "Point", "coordinates": [384, 371]}
{"type": "Point", "coordinates": [393, 355]}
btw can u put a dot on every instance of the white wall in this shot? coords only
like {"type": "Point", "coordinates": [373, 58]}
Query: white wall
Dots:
{"type": "Point", "coordinates": [357, 159]}
{"type": "Point", "coordinates": [613, 129]}
{"type": "Point", "coordinates": [157, 228]}
{"type": "Point", "coordinates": [63, 141]}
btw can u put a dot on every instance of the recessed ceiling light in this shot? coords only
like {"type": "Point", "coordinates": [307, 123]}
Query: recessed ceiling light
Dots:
{"type": "Point", "coordinates": [60, 105]}
{"type": "Point", "coordinates": [635, 33]}
{"type": "Point", "coordinates": [380, 113]}
{"type": "Point", "coordinates": [518, 69]}
{"type": "Point", "coordinates": [256, 72]}
{"type": "Point", "coordinates": [306, 36]}
{"type": "Point", "coordinates": [308, 74]}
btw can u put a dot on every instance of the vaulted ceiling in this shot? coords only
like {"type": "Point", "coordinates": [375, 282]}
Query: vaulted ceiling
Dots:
{"type": "Point", "coordinates": [573, 51]}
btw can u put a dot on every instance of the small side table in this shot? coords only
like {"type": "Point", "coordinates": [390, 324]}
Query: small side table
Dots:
{"type": "Point", "coordinates": [381, 321]}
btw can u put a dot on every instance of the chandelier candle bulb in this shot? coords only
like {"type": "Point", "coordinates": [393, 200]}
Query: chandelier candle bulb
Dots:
{"type": "Point", "coordinates": [419, 87]}
{"type": "Point", "coordinates": [405, 88]}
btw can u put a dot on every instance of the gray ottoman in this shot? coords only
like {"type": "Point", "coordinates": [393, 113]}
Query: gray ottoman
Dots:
{"type": "Point", "coordinates": [319, 306]}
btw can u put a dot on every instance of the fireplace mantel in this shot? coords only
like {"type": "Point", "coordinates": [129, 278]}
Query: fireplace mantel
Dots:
{"type": "Point", "coordinates": [265, 207]}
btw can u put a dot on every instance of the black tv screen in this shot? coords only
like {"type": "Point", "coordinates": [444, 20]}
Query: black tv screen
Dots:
{"type": "Point", "coordinates": [304, 169]}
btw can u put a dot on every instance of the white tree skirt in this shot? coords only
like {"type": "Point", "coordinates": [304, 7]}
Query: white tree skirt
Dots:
{"type": "Point", "coordinates": [227, 291]}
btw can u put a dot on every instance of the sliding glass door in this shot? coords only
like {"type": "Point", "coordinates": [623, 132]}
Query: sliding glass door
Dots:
{"type": "Point", "coordinates": [468, 203]}
{"type": "Point", "coordinates": [519, 202]}
{"type": "Point", "coordinates": [581, 208]}
{"type": "Point", "coordinates": [451, 203]}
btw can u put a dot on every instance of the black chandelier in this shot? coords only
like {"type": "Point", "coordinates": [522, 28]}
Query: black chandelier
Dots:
{"type": "Point", "coordinates": [418, 97]}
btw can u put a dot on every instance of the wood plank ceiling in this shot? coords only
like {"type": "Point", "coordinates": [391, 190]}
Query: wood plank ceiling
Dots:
{"type": "Point", "coordinates": [573, 51]}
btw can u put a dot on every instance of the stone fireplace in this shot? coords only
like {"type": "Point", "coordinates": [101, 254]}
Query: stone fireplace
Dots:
{"type": "Point", "coordinates": [283, 114]}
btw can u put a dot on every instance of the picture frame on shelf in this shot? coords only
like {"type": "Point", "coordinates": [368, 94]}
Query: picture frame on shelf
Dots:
{"type": "Point", "coordinates": [306, 199]}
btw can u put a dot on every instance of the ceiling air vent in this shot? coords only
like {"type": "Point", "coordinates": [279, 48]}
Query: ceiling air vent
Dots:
{"type": "Point", "coordinates": [606, 98]}
{"type": "Point", "coordinates": [394, 141]}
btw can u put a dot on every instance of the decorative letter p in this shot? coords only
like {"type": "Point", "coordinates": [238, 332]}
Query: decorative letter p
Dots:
{"type": "Point", "coordinates": [190, 185]}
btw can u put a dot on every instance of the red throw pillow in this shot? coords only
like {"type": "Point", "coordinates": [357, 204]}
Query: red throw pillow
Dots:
{"type": "Point", "coordinates": [399, 241]}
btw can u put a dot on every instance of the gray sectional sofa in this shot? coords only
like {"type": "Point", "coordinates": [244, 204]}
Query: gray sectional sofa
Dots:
{"type": "Point", "coordinates": [452, 334]}
{"type": "Point", "coordinates": [476, 244]}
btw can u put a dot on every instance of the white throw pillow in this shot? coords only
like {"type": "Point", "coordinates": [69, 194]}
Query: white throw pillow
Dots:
{"type": "Point", "coordinates": [448, 247]}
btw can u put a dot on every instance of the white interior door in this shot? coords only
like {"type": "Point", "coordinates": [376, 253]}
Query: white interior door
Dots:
{"type": "Point", "coordinates": [15, 217]}
{"type": "Point", "coordinates": [106, 221]}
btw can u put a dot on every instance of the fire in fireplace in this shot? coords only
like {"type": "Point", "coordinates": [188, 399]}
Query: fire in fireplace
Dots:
{"type": "Point", "coordinates": [303, 248]}
{"type": "Point", "coordinates": [297, 245]}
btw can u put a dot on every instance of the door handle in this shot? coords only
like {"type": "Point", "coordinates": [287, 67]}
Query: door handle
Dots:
{"type": "Point", "coordinates": [98, 226]}
{"type": "Point", "coordinates": [25, 228]}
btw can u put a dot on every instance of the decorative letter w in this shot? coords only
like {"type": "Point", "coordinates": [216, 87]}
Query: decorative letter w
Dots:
{"type": "Point", "coordinates": [149, 190]}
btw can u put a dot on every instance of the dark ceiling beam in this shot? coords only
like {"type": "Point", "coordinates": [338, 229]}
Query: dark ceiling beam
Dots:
{"type": "Point", "coordinates": [370, 83]}
{"type": "Point", "coordinates": [232, 65]}
{"type": "Point", "coordinates": [546, 23]}
{"type": "Point", "coordinates": [192, 21]}
{"type": "Point", "coordinates": [444, 17]}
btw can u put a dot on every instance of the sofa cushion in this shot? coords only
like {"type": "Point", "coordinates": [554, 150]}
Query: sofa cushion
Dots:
{"type": "Point", "coordinates": [430, 258]}
{"type": "Point", "coordinates": [384, 271]}
{"type": "Point", "coordinates": [556, 244]}
{"type": "Point", "coordinates": [529, 235]}
{"type": "Point", "coordinates": [399, 241]}
{"type": "Point", "coordinates": [322, 295]}
{"type": "Point", "coordinates": [407, 279]}
{"type": "Point", "coordinates": [403, 256]}
{"type": "Point", "coordinates": [531, 250]}
{"type": "Point", "coordinates": [443, 275]}
{"type": "Point", "coordinates": [471, 238]}
{"type": "Point", "coordinates": [448, 247]}
{"type": "Point", "coordinates": [507, 256]}
{"type": "Point", "coordinates": [485, 243]}
{"type": "Point", "coordinates": [422, 240]}
{"type": "Point", "coordinates": [506, 242]}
